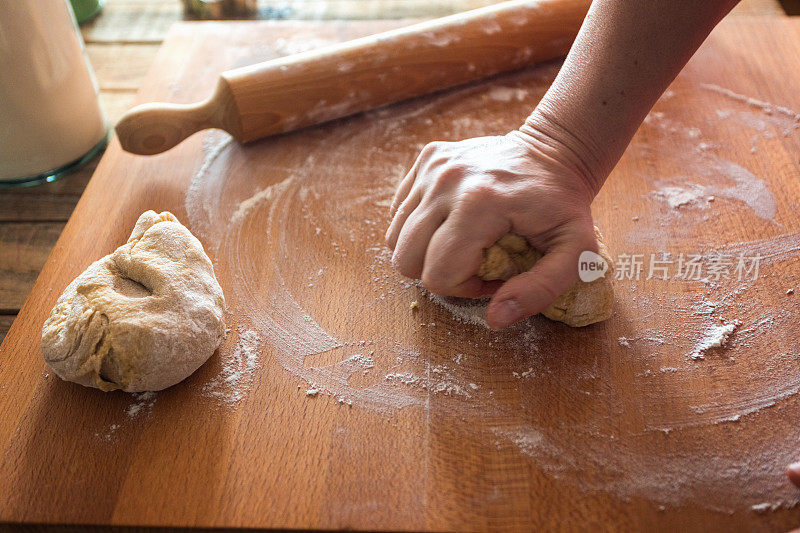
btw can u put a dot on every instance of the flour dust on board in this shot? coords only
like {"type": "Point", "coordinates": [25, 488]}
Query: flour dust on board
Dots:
{"type": "Point", "coordinates": [308, 237]}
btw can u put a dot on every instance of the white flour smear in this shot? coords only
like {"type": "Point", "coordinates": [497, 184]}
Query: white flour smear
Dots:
{"type": "Point", "coordinates": [703, 167]}
{"type": "Point", "coordinates": [143, 401]}
{"type": "Point", "coordinates": [141, 404]}
{"type": "Point", "coordinates": [673, 478]}
{"type": "Point", "coordinates": [238, 366]}
{"type": "Point", "coordinates": [249, 204]}
{"type": "Point", "coordinates": [713, 336]}
{"type": "Point", "coordinates": [680, 196]}
{"type": "Point", "coordinates": [215, 143]}
{"type": "Point", "coordinates": [704, 173]}
{"type": "Point", "coordinates": [315, 222]}
{"type": "Point", "coordinates": [766, 107]}
{"type": "Point", "coordinates": [771, 250]}
{"type": "Point", "coordinates": [507, 94]}
{"type": "Point", "coordinates": [438, 380]}
{"type": "Point", "coordinates": [464, 310]}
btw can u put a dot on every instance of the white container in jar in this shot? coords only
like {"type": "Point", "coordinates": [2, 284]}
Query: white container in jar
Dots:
{"type": "Point", "coordinates": [50, 117]}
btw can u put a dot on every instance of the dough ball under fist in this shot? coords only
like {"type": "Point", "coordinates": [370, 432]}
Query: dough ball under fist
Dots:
{"type": "Point", "coordinates": [583, 304]}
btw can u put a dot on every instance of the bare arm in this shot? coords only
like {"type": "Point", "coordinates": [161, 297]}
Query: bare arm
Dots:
{"type": "Point", "coordinates": [625, 56]}
{"type": "Point", "coordinates": [538, 182]}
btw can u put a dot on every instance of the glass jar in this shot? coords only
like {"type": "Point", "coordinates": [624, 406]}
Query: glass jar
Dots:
{"type": "Point", "coordinates": [50, 117]}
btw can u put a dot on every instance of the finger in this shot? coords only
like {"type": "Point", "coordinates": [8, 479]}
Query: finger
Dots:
{"type": "Point", "coordinates": [474, 287]}
{"type": "Point", "coordinates": [403, 212]}
{"type": "Point", "coordinates": [793, 471]}
{"type": "Point", "coordinates": [412, 243]}
{"type": "Point", "coordinates": [531, 292]}
{"type": "Point", "coordinates": [405, 185]}
{"type": "Point", "coordinates": [456, 251]}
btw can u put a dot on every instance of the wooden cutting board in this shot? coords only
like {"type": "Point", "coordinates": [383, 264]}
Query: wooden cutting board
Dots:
{"type": "Point", "coordinates": [333, 404]}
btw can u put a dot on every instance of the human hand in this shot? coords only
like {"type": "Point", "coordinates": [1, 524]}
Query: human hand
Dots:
{"type": "Point", "coordinates": [461, 197]}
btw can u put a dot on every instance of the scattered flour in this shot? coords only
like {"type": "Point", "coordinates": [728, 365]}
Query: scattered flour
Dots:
{"type": "Point", "coordinates": [238, 366]}
{"type": "Point", "coordinates": [766, 107]}
{"type": "Point", "coordinates": [246, 206]}
{"type": "Point", "coordinates": [525, 374]}
{"type": "Point", "coordinates": [440, 380]}
{"type": "Point", "coordinates": [108, 434]}
{"type": "Point", "coordinates": [713, 336]}
{"type": "Point", "coordinates": [144, 400]}
{"type": "Point", "coordinates": [766, 506]}
{"type": "Point", "coordinates": [464, 310]}
{"type": "Point", "coordinates": [404, 375]}
{"type": "Point", "coordinates": [507, 94]}
{"type": "Point", "coordinates": [363, 361]}
{"type": "Point", "coordinates": [698, 159]}
{"type": "Point", "coordinates": [681, 196]}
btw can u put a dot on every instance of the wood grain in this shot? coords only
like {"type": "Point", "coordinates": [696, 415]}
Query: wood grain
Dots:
{"type": "Point", "coordinates": [120, 67]}
{"type": "Point", "coordinates": [284, 459]}
{"type": "Point", "coordinates": [48, 202]}
{"type": "Point", "coordinates": [5, 325]}
{"type": "Point", "coordinates": [25, 248]}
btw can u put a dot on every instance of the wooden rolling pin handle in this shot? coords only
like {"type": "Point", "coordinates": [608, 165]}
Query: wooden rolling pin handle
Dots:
{"type": "Point", "coordinates": [153, 128]}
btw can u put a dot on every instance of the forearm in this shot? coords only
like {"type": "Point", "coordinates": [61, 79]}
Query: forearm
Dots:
{"type": "Point", "coordinates": [625, 56]}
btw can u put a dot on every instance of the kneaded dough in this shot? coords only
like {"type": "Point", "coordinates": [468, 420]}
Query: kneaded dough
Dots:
{"type": "Point", "coordinates": [583, 304]}
{"type": "Point", "coordinates": [142, 318]}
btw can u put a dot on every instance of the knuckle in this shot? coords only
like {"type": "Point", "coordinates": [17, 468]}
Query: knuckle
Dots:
{"type": "Point", "coordinates": [400, 208]}
{"type": "Point", "coordinates": [430, 148]}
{"type": "Point", "coordinates": [405, 207]}
{"type": "Point", "coordinates": [449, 177]}
{"type": "Point", "coordinates": [477, 195]}
{"type": "Point", "coordinates": [437, 161]}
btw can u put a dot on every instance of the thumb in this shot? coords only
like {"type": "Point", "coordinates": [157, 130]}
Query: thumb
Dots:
{"type": "Point", "coordinates": [531, 292]}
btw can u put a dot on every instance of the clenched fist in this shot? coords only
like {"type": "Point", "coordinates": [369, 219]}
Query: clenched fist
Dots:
{"type": "Point", "coordinates": [461, 197]}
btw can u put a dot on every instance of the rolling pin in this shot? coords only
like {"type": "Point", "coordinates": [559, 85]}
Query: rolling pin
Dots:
{"type": "Point", "coordinates": [304, 89]}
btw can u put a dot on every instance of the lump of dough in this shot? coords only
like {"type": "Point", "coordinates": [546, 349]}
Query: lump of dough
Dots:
{"type": "Point", "coordinates": [142, 318]}
{"type": "Point", "coordinates": [583, 304]}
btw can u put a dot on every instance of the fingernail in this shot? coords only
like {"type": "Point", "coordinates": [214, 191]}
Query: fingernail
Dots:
{"type": "Point", "coordinates": [506, 313]}
{"type": "Point", "coordinates": [793, 472]}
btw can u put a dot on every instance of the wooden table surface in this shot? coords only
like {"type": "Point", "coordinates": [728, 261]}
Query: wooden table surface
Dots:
{"type": "Point", "coordinates": [121, 44]}
{"type": "Point", "coordinates": [333, 404]}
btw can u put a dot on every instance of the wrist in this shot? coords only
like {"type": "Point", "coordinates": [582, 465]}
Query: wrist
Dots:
{"type": "Point", "coordinates": [565, 147]}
